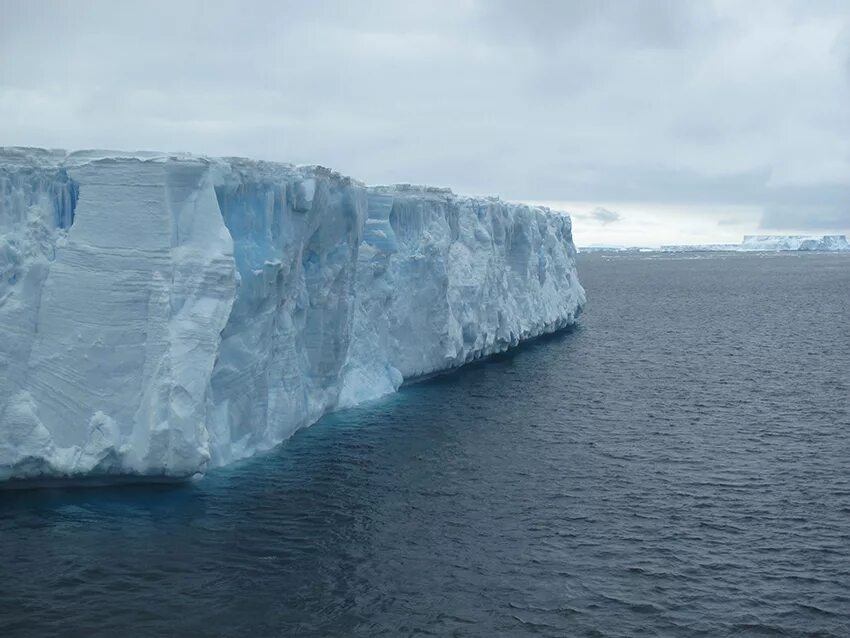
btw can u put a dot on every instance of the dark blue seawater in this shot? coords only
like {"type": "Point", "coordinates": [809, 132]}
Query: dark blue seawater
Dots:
{"type": "Point", "coordinates": [678, 466]}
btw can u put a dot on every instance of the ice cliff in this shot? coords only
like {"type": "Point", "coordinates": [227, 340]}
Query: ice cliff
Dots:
{"type": "Point", "coordinates": [162, 314]}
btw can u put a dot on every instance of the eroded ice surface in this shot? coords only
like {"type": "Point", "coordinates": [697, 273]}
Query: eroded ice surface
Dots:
{"type": "Point", "coordinates": [162, 314]}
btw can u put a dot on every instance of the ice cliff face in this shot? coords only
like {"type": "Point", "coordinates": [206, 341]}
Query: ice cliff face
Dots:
{"type": "Point", "coordinates": [163, 314]}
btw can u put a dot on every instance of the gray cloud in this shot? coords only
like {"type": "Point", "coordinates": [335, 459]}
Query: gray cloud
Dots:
{"type": "Point", "coordinates": [817, 206]}
{"type": "Point", "coordinates": [604, 216]}
{"type": "Point", "coordinates": [662, 101]}
{"type": "Point", "coordinates": [650, 23]}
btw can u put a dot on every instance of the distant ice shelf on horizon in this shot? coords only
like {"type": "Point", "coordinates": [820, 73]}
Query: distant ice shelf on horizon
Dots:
{"type": "Point", "coordinates": [615, 249]}
{"type": "Point", "coordinates": [162, 314]}
{"type": "Point", "coordinates": [772, 243]}
{"type": "Point", "coordinates": [750, 243]}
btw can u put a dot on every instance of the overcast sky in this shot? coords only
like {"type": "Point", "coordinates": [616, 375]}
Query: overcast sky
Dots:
{"type": "Point", "coordinates": [652, 121]}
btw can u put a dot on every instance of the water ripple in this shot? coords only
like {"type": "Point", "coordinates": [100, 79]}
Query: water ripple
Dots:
{"type": "Point", "coordinates": [675, 467]}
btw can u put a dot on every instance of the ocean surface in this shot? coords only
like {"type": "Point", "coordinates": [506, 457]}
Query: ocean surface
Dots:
{"type": "Point", "coordinates": [677, 466]}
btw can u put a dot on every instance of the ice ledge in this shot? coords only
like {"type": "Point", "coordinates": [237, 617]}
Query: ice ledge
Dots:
{"type": "Point", "coordinates": [162, 313]}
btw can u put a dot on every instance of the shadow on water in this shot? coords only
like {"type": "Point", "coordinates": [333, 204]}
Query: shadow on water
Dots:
{"type": "Point", "coordinates": [506, 357]}
{"type": "Point", "coordinates": [160, 498]}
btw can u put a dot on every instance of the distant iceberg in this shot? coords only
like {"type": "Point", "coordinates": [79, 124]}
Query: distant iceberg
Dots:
{"type": "Point", "coordinates": [163, 314]}
{"type": "Point", "coordinates": [795, 242]}
{"type": "Point", "coordinates": [771, 243]}
{"type": "Point", "coordinates": [613, 249]}
{"type": "Point", "coordinates": [700, 248]}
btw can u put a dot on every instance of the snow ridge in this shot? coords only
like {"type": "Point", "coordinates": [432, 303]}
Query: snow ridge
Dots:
{"type": "Point", "coordinates": [164, 314]}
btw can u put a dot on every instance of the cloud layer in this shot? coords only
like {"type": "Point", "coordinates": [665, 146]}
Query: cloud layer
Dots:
{"type": "Point", "coordinates": [724, 104]}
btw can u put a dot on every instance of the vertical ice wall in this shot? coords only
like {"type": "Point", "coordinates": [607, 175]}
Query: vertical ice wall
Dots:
{"type": "Point", "coordinates": [163, 314]}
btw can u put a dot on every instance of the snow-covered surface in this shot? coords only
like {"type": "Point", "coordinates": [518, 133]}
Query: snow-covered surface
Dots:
{"type": "Point", "coordinates": [162, 314]}
{"type": "Point", "coordinates": [771, 243]}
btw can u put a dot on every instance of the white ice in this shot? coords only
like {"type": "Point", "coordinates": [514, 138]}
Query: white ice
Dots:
{"type": "Point", "coordinates": [772, 243]}
{"type": "Point", "coordinates": [161, 314]}
{"type": "Point", "coordinates": [795, 242]}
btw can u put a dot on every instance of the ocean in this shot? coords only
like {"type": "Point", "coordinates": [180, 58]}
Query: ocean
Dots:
{"type": "Point", "coordinates": [678, 465]}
